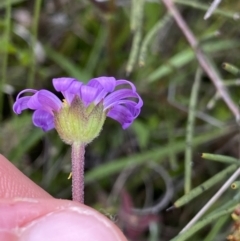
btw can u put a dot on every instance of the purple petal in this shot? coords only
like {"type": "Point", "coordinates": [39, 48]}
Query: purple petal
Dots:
{"type": "Point", "coordinates": [104, 85]}
{"type": "Point", "coordinates": [107, 83]}
{"type": "Point", "coordinates": [72, 91]}
{"type": "Point", "coordinates": [100, 95]}
{"type": "Point", "coordinates": [131, 106]}
{"type": "Point", "coordinates": [68, 86]}
{"type": "Point", "coordinates": [122, 115]}
{"type": "Point", "coordinates": [140, 102]}
{"type": "Point", "coordinates": [43, 119]}
{"type": "Point", "coordinates": [61, 84]}
{"type": "Point", "coordinates": [118, 95]}
{"type": "Point", "coordinates": [135, 111]}
{"type": "Point", "coordinates": [88, 94]}
{"type": "Point", "coordinates": [46, 100]}
{"type": "Point", "coordinates": [124, 82]}
{"type": "Point", "coordinates": [130, 102]}
{"type": "Point", "coordinates": [25, 91]}
{"type": "Point", "coordinates": [21, 104]}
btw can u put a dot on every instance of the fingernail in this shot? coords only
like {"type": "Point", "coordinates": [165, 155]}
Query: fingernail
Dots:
{"type": "Point", "coordinates": [71, 225]}
{"type": "Point", "coordinates": [27, 200]}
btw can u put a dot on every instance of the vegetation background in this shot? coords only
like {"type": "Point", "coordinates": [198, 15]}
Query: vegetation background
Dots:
{"type": "Point", "coordinates": [153, 163]}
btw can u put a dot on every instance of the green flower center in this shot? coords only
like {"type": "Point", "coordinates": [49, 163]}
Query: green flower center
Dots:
{"type": "Point", "coordinates": [77, 123]}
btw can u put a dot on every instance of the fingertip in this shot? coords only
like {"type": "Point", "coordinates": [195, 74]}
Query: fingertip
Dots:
{"type": "Point", "coordinates": [53, 219]}
{"type": "Point", "coordinates": [13, 183]}
{"type": "Point", "coordinates": [70, 224]}
{"type": "Point", "coordinates": [8, 236]}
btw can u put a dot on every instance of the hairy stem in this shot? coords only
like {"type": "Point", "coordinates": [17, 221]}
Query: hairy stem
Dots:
{"type": "Point", "coordinates": [78, 151]}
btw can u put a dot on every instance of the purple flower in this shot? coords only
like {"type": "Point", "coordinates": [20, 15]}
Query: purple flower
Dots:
{"type": "Point", "coordinates": [120, 103]}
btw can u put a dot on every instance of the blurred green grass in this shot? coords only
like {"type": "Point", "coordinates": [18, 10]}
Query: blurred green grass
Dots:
{"type": "Point", "coordinates": [84, 40]}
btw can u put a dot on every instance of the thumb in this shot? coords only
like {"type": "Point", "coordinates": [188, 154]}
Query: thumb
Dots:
{"type": "Point", "coordinates": [52, 219]}
{"type": "Point", "coordinates": [14, 183]}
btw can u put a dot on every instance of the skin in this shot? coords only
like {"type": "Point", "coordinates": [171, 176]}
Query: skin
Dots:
{"type": "Point", "coordinates": [27, 212]}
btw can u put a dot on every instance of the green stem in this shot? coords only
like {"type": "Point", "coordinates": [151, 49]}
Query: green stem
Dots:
{"type": "Point", "coordinates": [190, 130]}
{"type": "Point", "coordinates": [220, 158]}
{"type": "Point", "coordinates": [149, 37]}
{"type": "Point", "coordinates": [215, 229]}
{"type": "Point", "coordinates": [205, 186]}
{"type": "Point", "coordinates": [78, 151]}
{"type": "Point", "coordinates": [111, 35]}
{"type": "Point", "coordinates": [231, 69]}
{"type": "Point", "coordinates": [202, 223]}
{"type": "Point", "coordinates": [136, 24]}
{"type": "Point", "coordinates": [7, 30]}
{"type": "Point", "coordinates": [214, 198]}
{"type": "Point", "coordinates": [200, 6]}
{"type": "Point", "coordinates": [37, 9]}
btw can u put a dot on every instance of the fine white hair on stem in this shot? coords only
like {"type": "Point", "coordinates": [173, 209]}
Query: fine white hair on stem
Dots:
{"type": "Point", "coordinates": [212, 8]}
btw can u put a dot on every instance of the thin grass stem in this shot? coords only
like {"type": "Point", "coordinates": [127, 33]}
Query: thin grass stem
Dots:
{"type": "Point", "coordinates": [149, 37]}
{"type": "Point", "coordinates": [155, 155]}
{"type": "Point", "coordinates": [189, 131]}
{"type": "Point", "coordinates": [231, 69]}
{"type": "Point", "coordinates": [133, 15]}
{"type": "Point", "coordinates": [217, 226]}
{"type": "Point", "coordinates": [95, 54]}
{"type": "Point", "coordinates": [34, 36]}
{"type": "Point", "coordinates": [3, 80]}
{"type": "Point", "coordinates": [137, 36]}
{"type": "Point", "coordinates": [212, 200]}
{"type": "Point", "coordinates": [202, 58]}
{"type": "Point", "coordinates": [212, 8]}
{"type": "Point", "coordinates": [205, 186]}
{"type": "Point", "coordinates": [220, 158]}
{"type": "Point", "coordinates": [171, 141]}
{"type": "Point", "coordinates": [201, 6]}
{"type": "Point", "coordinates": [203, 223]}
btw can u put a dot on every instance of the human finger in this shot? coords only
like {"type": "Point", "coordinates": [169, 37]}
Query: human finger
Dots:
{"type": "Point", "coordinates": [13, 183]}
{"type": "Point", "coordinates": [53, 219]}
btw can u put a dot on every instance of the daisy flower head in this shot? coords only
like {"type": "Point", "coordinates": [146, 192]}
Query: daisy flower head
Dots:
{"type": "Point", "coordinates": [79, 117]}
